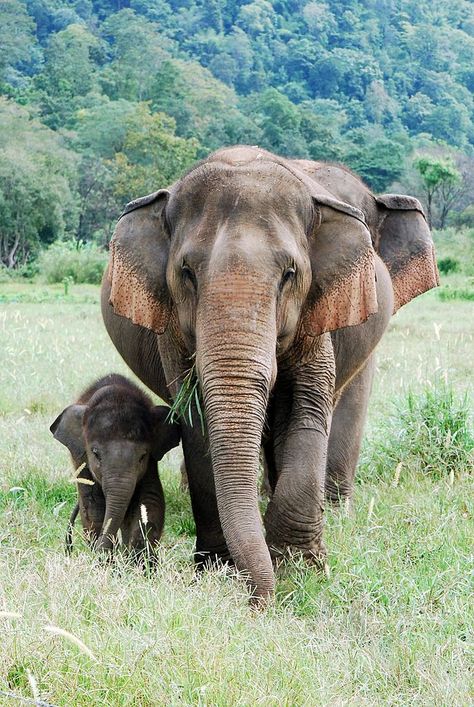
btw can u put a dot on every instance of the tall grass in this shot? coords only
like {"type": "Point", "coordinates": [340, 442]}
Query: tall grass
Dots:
{"type": "Point", "coordinates": [389, 624]}
{"type": "Point", "coordinates": [428, 432]}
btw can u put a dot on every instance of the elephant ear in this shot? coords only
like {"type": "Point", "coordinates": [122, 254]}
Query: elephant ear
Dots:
{"type": "Point", "coordinates": [166, 434]}
{"type": "Point", "coordinates": [67, 429]}
{"type": "Point", "coordinates": [405, 245]}
{"type": "Point", "coordinates": [342, 258]}
{"type": "Point", "coordinates": [139, 256]}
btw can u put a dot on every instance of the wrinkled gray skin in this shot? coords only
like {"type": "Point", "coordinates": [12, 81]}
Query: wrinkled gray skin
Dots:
{"type": "Point", "coordinates": [116, 431]}
{"type": "Point", "coordinates": [250, 261]}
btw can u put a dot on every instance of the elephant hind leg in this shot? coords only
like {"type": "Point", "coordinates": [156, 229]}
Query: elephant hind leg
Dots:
{"type": "Point", "coordinates": [345, 438]}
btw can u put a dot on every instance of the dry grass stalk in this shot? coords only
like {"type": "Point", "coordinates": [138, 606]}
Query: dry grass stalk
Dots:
{"type": "Point", "coordinates": [10, 615]}
{"type": "Point", "coordinates": [371, 508]}
{"type": "Point", "coordinates": [56, 631]}
{"type": "Point", "coordinates": [396, 476]}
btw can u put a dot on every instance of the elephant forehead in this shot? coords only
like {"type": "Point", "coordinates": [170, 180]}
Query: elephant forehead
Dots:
{"type": "Point", "coordinates": [223, 190]}
{"type": "Point", "coordinates": [109, 420]}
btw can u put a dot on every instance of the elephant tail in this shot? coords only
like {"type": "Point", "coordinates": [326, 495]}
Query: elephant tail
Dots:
{"type": "Point", "coordinates": [70, 527]}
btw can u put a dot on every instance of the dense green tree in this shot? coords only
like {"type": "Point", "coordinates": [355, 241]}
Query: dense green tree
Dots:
{"type": "Point", "coordinates": [441, 180]}
{"type": "Point", "coordinates": [98, 206]}
{"type": "Point", "coordinates": [279, 121]}
{"type": "Point", "coordinates": [365, 83]}
{"type": "Point", "coordinates": [17, 37]}
{"type": "Point", "coordinates": [100, 126]}
{"type": "Point", "coordinates": [378, 159]}
{"type": "Point", "coordinates": [152, 156]}
{"type": "Point", "coordinates": [136, 52]}
{"type": "Point", "coordinates": [37, 201]}
{"type": "Point", "coordinates": [202, 106]}
{"type": "Point", "coordinates": [257, 18]}
{"type": "Point", "coordinates": [68, 74]}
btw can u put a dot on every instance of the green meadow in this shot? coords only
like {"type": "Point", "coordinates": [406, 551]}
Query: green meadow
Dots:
{"type": "Point", "coordinates": [390, 622]}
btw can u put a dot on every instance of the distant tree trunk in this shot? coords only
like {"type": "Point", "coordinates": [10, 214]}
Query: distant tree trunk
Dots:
{"type": "Point", "coordinates": [11, 260]}
{"type": "Point", "coordinates": [450, 195]}
{"type": "Point", "coordinates": [429, 204]}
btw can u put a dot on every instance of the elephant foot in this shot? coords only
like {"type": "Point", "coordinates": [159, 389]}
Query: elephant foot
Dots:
{"type": "Point", "coordinates": [313, 554]}
{"type": "Point", "coordinates": [345, 504]}
{"type": "Point", "coordinates": [338, 494]}
{"type": "Point", "coordinates": [214, 558]}
{"type": "Point", "coordinates": [340, 499]}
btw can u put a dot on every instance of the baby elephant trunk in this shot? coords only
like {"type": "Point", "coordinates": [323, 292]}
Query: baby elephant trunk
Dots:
{"type": "Point", "coordinates": [118, 491]}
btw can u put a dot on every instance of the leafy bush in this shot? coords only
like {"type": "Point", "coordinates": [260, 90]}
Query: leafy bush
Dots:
{"type": "Point", "coordinates": [465, 291]}
{"type": "Point", "coordinates": [429, 433]}
{"type": "Point", "coordinates": [463, 219]}
{"type": "Point", "coordinates": [5, 275]}
{"type": "Point", "coordinates": [456, 245]}
{"type": "Point", "coordinates": [64, 260]}
{"type": "Point", "coordinates": [447, 265]}
{"type": "Point", "coordinates": [23, 272]}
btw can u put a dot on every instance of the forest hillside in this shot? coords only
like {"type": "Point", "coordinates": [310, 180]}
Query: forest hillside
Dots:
{"type": "Point", "coordinates": [105, 100]}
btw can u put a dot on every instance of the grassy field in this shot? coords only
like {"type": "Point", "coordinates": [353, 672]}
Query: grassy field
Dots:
{"type": "Point", "coordinates": [392, 621]}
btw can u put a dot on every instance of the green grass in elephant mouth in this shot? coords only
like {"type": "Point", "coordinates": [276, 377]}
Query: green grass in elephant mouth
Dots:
{"type": "Point", "coordinates": [189, 396]}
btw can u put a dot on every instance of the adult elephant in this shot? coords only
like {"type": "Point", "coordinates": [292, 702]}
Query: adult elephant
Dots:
{"type": "Point", "coordinates": [248, 262]}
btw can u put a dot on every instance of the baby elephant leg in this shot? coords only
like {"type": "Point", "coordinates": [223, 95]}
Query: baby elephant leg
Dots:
{"type": "Point", "coordinates": [146, 515]}
{"type": "Point", "coordinates": [91, 506]}
{"type": "Point", "coordinates": [345, 437]}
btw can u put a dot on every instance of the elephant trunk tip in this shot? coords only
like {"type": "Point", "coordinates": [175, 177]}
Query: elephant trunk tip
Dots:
{"type": "Point", "coordinates": [261, 598]}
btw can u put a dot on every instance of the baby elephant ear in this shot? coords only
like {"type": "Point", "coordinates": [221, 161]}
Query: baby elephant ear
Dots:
{"type": "Point", "coordinates": [139, 257]}
{"type": "Point", "coordinates": [405, 245]}
{"type": "Point", "coordinates": [342, 291]}
{"type": "Point", "coordinates": [67, 429]}
{"type": "Point", "coordinates": [166, 435]}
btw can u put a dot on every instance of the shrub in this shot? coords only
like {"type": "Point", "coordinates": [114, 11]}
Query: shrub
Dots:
{"type": "Point", "coordinates": [447, 265]}
{"type": "Point", "coordinates": [63, 261]}
{"type": "Point", "coordinates": [465, 292]}
{"type": "Point", "coordinates": [456, 245]}
{"type": "Point", "coordinates": [27, 271]}
{"type": "Point", "coordinates": [5, 275]}
{"type": "Point", "coordinates": [463, 219]}
{"type": "Point", "coordinates": [429, 433]}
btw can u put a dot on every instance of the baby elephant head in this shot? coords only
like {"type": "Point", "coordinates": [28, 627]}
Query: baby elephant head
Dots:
{"type": "Point", "coordinates": [119, 435]}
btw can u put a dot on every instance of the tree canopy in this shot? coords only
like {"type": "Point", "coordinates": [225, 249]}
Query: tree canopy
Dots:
{"type": "Point", "coordinates": [122, 95]}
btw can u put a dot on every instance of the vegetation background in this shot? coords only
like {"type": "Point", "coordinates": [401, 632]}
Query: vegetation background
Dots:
{"type": "Point", "coordinates": [102, 101]}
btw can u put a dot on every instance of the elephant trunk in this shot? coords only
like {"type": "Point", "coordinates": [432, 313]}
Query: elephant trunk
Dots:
{"type": "Point", "coordinates": [236, 364]}
{"type": "Point", "coordinates": [118, 494]}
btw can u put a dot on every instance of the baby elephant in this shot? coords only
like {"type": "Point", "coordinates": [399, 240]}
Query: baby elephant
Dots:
{"type": "Point", "coordinates": [116, 431]}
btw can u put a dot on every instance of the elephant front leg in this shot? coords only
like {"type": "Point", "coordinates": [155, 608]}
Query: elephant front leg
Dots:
{"type": "Point", "coordinates": [211, 547]}
{"type": "Point", "coordinates": [146, 516]}
{"type": "Point", "coordinates": [294, 517]}
{"type": "Point", "coordinates": [347, 428]}
{"type": "Point", "coordinates": [91, 506]}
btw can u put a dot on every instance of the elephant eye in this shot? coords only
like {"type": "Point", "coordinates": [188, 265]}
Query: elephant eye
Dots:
{"type": "Point", "coordinates": [288, 276]}
{"type": "Point", "coordinates": [142, 458]}
{"type": "Point", "coordinates": [96, 453]}
{"type": "Point", "coordinates": [188, 275]}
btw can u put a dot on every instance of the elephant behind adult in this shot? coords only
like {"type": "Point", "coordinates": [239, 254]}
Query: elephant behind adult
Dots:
{"type": "Point", "coordinates": [250, 262]}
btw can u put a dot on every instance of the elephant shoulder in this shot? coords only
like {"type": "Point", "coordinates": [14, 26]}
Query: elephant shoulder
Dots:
{"type": "Point", "coordinates": [343, 184]}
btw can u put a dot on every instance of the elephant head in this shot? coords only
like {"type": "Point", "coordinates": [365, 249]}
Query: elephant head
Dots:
{"type": "Point", "coordinates": [249, 259]}
{"type": "Point", "coordinates": [118, 436]}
